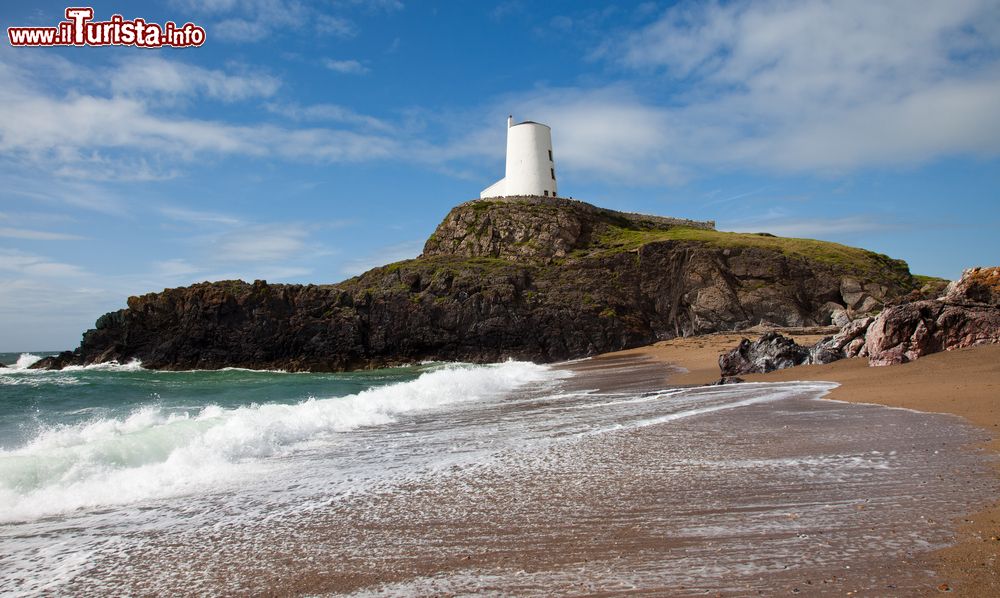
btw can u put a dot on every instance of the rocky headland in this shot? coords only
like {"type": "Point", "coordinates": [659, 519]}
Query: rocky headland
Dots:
{"type": "Point", "coordinates": [966, 315]}
{"type": "Point", "coordinates": [542, 279]}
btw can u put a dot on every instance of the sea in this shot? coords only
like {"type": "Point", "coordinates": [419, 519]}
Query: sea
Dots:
{"type": "Point", "coordinates": [448, 478]}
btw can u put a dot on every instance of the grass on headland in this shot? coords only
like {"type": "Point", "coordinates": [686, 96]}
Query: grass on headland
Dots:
{"type": "Point", "coordinates": [921, 279]}
{"type": "Point", "coordinates": [834, 254]}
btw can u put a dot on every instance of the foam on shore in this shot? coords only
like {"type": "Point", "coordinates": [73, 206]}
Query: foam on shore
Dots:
{"type": "Point", "coordinates": [152, 453]}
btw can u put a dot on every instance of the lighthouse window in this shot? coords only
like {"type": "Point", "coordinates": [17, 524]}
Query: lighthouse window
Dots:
{"type": "Point", "coordinates": [553, 171]}
{"type": "Point", "coordinates": [550, 155]}
{"type": "Point", "coordinates": [546, 192]}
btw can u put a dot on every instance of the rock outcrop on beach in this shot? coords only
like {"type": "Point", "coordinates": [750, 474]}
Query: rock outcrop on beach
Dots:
{"type": "Point", "coordinates": [772, 351]}
{"type": "Point", "coordinates": [966, 316]}
{"type": "Point", "coordinates": [978, 286]}
{"type": "Point", "coordinates": [542, 279]}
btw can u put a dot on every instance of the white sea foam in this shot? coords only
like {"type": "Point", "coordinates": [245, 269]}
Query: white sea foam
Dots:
{"type": "Point", "coordinates": [691, 402]}
{"type": "Point", "coordinates": [25, 361]}
{"type": "Point", "coordinates": [151, 453]}
{"type": "Point", "coordinates": [7, 379]}
{"type": "Point", "coordinates": [134, 365]}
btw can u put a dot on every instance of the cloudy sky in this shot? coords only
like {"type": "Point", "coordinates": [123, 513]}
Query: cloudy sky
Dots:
{"type": "Point", "coordinates": [309, 141]}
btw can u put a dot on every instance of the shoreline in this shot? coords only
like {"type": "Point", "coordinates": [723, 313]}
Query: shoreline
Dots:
{"type": "Point", "coordinates": [963, 383]}
{"type": "Point", "coordinates": [611, 480]}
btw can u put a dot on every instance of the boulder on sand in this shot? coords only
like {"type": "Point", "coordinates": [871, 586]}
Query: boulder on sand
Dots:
{"type": "Point", "coordinates": [772, 351]}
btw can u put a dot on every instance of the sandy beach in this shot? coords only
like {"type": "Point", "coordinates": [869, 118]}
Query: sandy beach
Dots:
{"type": "Point", "coordinates": [964, 383]}
{"type": "Point", "coordinates": [602, 478]}
{"type": "Point", "coordinates": [623, 474]}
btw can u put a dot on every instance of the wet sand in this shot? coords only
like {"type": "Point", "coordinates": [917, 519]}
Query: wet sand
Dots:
{"type": "Point", "coordinates": [609, 484]}
{"type": "Point", "coordinates": [965, 383]}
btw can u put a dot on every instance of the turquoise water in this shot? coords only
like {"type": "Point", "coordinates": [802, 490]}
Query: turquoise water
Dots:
{"type": "Point", "coordinates": [94, 458]}
{"type": "Point", "coordinates": [114, 434]}
{"type": "Point", "coordinates": [33, 401]}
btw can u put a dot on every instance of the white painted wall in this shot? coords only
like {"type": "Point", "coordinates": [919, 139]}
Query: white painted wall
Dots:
{"type": "Point", "coordinates": [529, 169]}
{"type": "Point", "coordinates": [497, 189]}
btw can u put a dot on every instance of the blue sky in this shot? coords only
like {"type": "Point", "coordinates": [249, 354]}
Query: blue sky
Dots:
{"type": "Point", "coordinates": [309, 141]}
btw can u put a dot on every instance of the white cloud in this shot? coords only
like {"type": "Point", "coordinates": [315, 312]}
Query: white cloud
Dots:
{"type": "Point", "coordinates": [771, 86]}
{"type": "Point", "coordinates": [811, 227]}
{"type": "Point", "coordinates": [382, 256]}
{"type": "Point", "coordinates": [251, 21]}
{"type": "Point", "coordinates": [608, 132]}
{"type": "Point", "coordinates": [50, 313]}
{"type": "Point", "coordinates": [374, 5]}
{"type": "Point", "coordinates": [820, 86]}
{"type": "Point", "coordinates": [328, 113]}
{"type": "Point", "coordinates": [270, 273]}
{"type": "Point", "coordinates": [157, 77]}
{"type": "Point", "coordinates": [507, 9]}
{"type": "Point", "coordinates": [206, 6]}
{"type": "Point", "coordinates": [79, 164]}
{"type": "Point", "coordinates": [261, 243]}
{"type": "Point", "coordinates": [78, 132]}
{"type": "Point", "coordinates": [335, 26]}
{"type": "Point", "coordinates": [37, 235]}
{"type": "Point", "coordinates": [37, 217]}
{"type": "Point", "coordinates": [235, 250]}
{"type": "Point", "coordinates": [174, 268]}
{"type": "Point", "coordinates": [34, 122]}
{"type": "Point", "coordinates": [226, 247]}
{"type": "Point", "coordinates": [59, 192]}
{"type": "Point", "coordinates": [45, 304]}
{"type": "Point", "coordinates": [198, 216]}
{"type": "Point", "coordinates": [19, 262]}
{"type": "Point", "coordinates": [257, 19]}
{"type": "Point", "coordinates": [774, 86]}
{"type": "Point", "coordinates": [345, 67]}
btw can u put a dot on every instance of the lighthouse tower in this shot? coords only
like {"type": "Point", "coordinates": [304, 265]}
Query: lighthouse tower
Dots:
{"type": "Point", "coordinates": [530, 167]}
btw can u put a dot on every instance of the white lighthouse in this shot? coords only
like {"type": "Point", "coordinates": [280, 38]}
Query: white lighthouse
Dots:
{"type": "Point", "coordinates": [531, 169]}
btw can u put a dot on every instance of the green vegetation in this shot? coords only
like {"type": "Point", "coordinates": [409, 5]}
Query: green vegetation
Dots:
{"type": "Point", "coordinates": [482, 205]}
{"type": "Point", "coordinates": [437, 265]}
{"type": "Point", "coordinates": [921, 280]}
{"type": "Point", "coordinates": [617, 239]}
{"type": "Point", "coordinates": [235, 287]}
{"type": "Point", "coordinates": [485, 263]}
{"type": "Point", "coordinates": [609, 233]}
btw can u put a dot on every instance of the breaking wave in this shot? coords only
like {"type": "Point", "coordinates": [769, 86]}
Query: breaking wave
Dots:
{"type": "Point", "coordinates": [152, 453]}
{"type": "Point", "coordinates": [26, 360]}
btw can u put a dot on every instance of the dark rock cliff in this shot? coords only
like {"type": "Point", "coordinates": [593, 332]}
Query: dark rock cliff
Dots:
{"type": "Point", "coordinates": [528, 278]}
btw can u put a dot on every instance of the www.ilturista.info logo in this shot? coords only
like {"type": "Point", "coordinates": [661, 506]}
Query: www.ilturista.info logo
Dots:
{"type": "Point", "coordinates": [79, 29]}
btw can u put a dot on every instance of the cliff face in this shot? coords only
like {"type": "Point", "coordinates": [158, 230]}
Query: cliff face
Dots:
{"type": "Point", "coordinates": [528, 278]}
